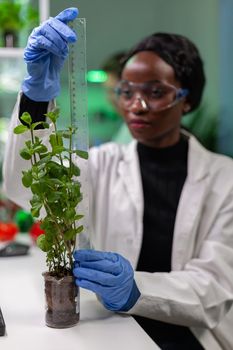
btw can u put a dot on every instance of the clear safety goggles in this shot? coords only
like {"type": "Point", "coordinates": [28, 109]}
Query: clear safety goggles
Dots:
{"type": "Point", "coordinates": [153, 95]}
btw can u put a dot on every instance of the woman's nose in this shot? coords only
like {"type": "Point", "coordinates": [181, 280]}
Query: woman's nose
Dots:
{"type": "Point", "coordinates": [139, 105]}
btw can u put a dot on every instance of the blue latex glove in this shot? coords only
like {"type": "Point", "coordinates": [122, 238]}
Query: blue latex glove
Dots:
{"type": "Point", "coordinates": [46, 51]}
{"type": "Point", "coordinates": [109, 275]}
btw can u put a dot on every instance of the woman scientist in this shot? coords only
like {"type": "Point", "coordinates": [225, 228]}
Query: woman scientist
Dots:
{"type": "Point", "coordinates": [162, 206]}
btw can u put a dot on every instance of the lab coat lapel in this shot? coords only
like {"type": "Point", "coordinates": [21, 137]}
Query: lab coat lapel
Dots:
{"type": "Point", "coordinates": [190, 204]}
{"type": "Point", "coordinates": [129, 170]}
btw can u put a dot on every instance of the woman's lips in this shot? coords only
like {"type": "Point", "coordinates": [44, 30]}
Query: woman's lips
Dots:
{"type": "Point", "coordinates": [138, 124]}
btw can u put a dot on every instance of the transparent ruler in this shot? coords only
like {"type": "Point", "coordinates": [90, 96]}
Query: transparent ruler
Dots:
{"type": "Point", "coordinates": [79, 117]}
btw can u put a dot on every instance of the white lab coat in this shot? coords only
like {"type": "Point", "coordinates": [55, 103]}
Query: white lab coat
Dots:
{"type": "Point", "coordinates": [198, 292]}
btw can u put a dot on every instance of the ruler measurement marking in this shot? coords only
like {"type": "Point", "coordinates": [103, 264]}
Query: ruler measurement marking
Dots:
{"type": "Point", "coordinates": [78, 105]}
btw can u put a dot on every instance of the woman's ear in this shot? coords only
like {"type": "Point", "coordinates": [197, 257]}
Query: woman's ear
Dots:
{"type": "Point", "coordinates": [186, 108]}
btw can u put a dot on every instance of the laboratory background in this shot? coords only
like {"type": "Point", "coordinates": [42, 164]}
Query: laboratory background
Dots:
{"type": "Point", "coordinates": [112, 27]}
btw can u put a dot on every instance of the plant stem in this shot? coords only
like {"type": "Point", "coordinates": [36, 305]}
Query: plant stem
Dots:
{"type": "Point", "coordinates": [70, 153]}
{"type": "Point", "coordinates": [33, 142]}
{"type": "Point", "coordinates": [55, 128]}
{"type": "Point", "coordinates": [47, 207]}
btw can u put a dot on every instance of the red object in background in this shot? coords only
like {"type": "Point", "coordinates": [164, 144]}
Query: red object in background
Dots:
{"type": "Point", "coordinates": [35, 231]}
{"type": "Point", "coordinates": [8, 231]}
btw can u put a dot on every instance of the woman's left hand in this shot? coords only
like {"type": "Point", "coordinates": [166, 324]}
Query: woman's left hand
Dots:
{"type": "Point", "coordinates": [109, 275]}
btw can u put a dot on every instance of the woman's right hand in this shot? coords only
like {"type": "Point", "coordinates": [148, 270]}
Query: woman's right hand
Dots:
{"type": "Point", "coordinates": [46, 51]}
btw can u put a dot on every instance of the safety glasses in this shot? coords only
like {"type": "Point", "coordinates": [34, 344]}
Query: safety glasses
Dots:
{"type": "Point", "coordinates": [154, 95]}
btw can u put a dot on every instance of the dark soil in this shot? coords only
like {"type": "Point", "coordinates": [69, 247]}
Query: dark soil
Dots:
{"type": "Point", "coordinates": [62, 301]}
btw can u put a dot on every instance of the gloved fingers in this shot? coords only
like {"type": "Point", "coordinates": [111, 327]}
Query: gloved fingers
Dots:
{"type": "Point", "coordinates": [82, 255]}
{"type": "Point", "coordinates": [103, 265]}
{"type": "Point", "coordinates": [102, 278]}
{"type": "Point", "coordinates": [39, 46]}
{"type": "Point", "coordinates": [51, 36]}
{"type": "Point", "coordinates": [89, 285]}
{"type": "Point", "coordinates": [67, 15]}
{"type": "Point", "coordinates": [32, 55]}
{"type": "Point", "coordinates": [57, 42]}
{"type": "Point", "coordinates": [62, 29]}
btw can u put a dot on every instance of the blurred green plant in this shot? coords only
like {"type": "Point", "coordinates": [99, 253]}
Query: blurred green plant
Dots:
{"type": "Point", "coordinates": [15, 16]}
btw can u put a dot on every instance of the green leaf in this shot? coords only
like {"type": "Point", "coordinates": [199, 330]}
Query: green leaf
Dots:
{"type": "Point", "coordinates": [43, 155]}
{"type": "Point", "coordinates": [35, 210]}
{"type": "Point", "coordinates": [75, 170]}
{"type": "Point", "coordinates": [54, 196]}
{"type": "Point", "coordinates": [28, 144]}
{"type": "Point", "coordinates": [56, 210]}
{"type": "Point", "coordinates": [40, 149]}
{"type": "Point", "coordinates": [82, 154]}
{"type": "Point", "coordinates": [36, 200]}
{"type": "Point", "coordinates": [45, 125]}
{"type": "Point", "coordinates": [54, 169]}
{"type": "Point", "coordinates": [69, 234]}
{"type": "Point", "coordinates": [69, 213]}
{"type": "Point", "coordinates": [48, 226]}
{"type": "Point", "coordinates": [37, 140]}
{"type": "Point", "coordinates": [42, 243]}
{"type": "Point", "coordinates": [26, 118]}
{"type": "Point", "coordinates": [41, 173]}
{"type": "Point", "coordinates": [27, 178]}
{"type": "Point", "coordinates": [53, 115]}
{"type": "Point", "coordinates": [78, 217]}
{"type": "Point", "coordinates": [58, 149]}
{"type": "Point", "coordinates": [20, 129]}
{"type": "Point", "coordinates": [44, 159]}
{"type": "Point", "coordinates": [53, 181]}
{"type": "Point", "coordinates": [55, 140]}
{"type": "Point", "coordinates": [59, 171]}
{"type": "Point", "coordinates": [75, 190]}
{"type": "Point", "coordinates": [25, 154]}
{"type": "Point", "coordinates": [79, 229]}
{"type": "Point", "coordinates": [34, 125]}
{"type": "Point", "coordinates": [38, 187]}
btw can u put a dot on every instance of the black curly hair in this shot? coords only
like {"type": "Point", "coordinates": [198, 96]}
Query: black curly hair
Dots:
{"type": "Point", "coordinates": [180, 53]}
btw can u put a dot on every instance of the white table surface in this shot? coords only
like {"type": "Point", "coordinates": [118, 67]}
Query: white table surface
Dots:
{"type": "Point", "coordinates": [22, 303]}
